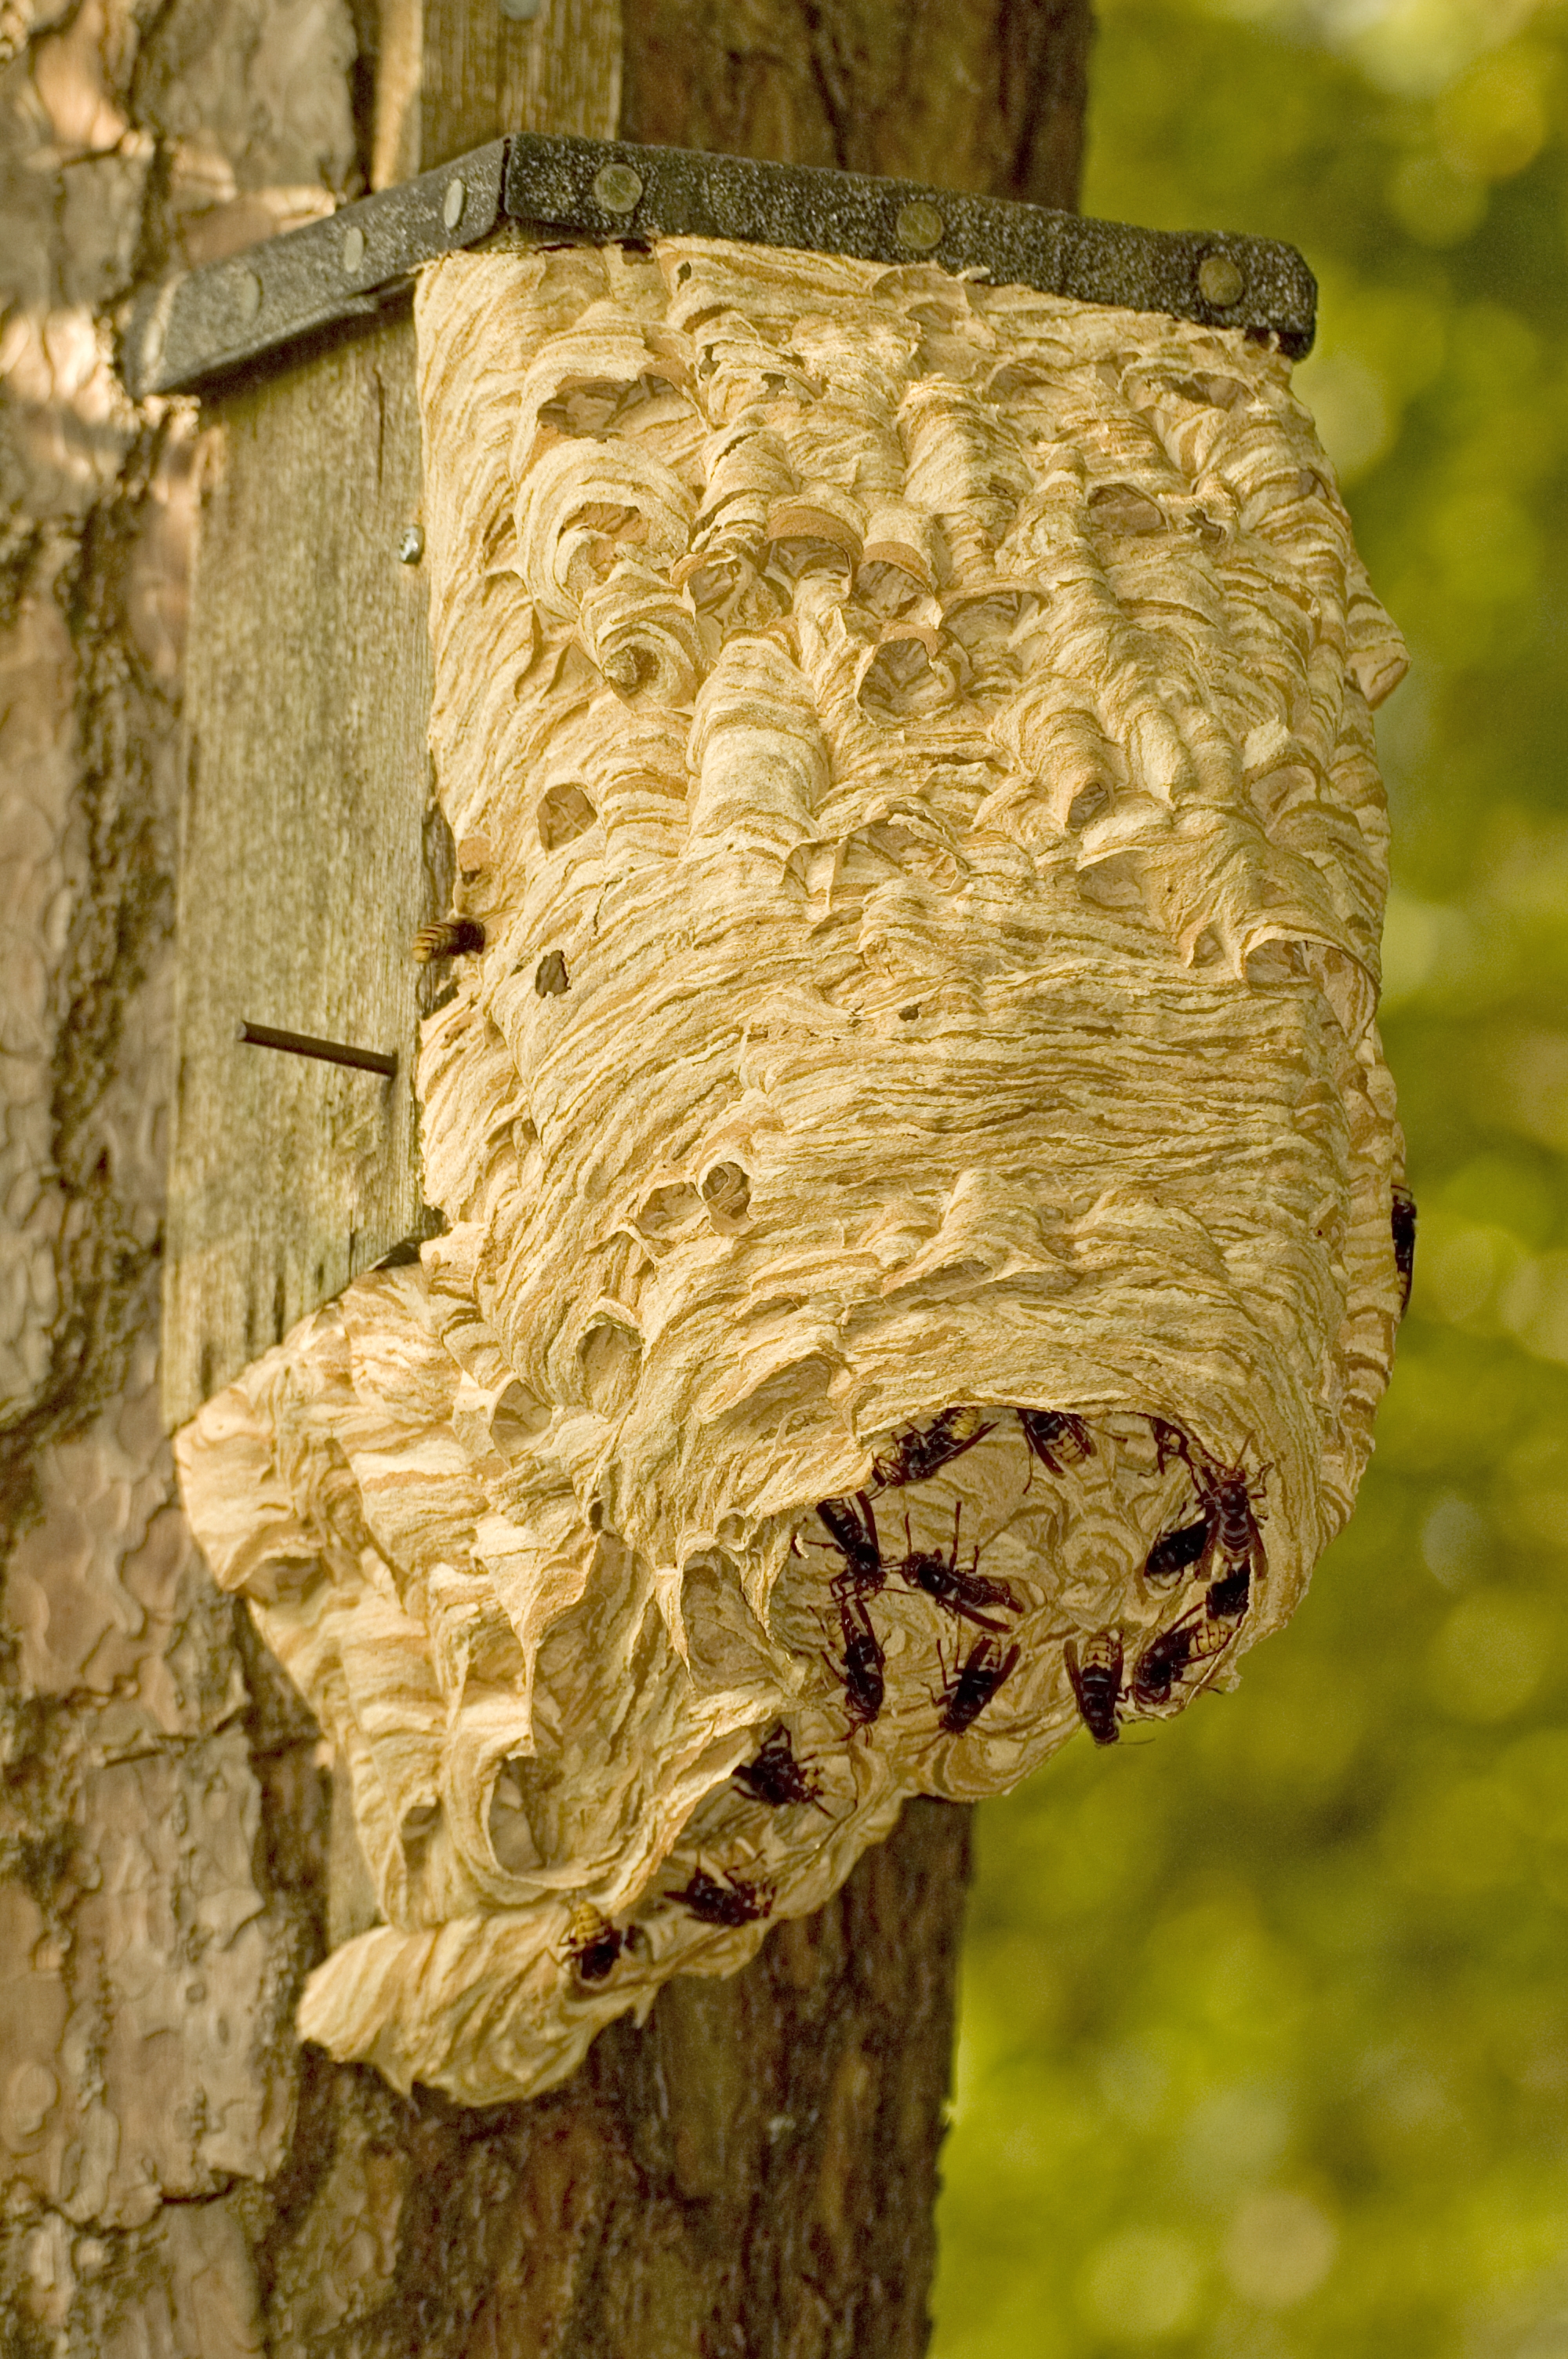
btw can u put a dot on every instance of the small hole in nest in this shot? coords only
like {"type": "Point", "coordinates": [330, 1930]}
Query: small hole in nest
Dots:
{"type": "Point", "coordinates": [903, 680]}
{"type": "Point", "coordinates": [907, 1015]}
{"type": "Point", "coordinates": [889, 588]}
{"type": "Point", "coordinates": [1086, 806]}
{"type": "Point", "coordinates": [512, 1836]}
{"type": "Point", "coordinates": [1124, 509]}
{"type": "Point", "coordinates": [517, 1417]}
{"type": "Point", "coordinates": [802, 553]}
{"type": "Point", "coordinates": [710, 584]}
{"type": "Point", "coordinates": [419, 1823]}
{"type": "Point", "coordinates": [1210, 392]}
{"type": "Point", "coordinates": [1111, 884]}
{"type": "Point", "coordinates": [665, 1209]}
{"type": "Point", "coordinates": [727, 1192]}
{"type": "Point", "coordinates": [564, 814]}
{"type": "Point", "coordinates": [550, 976]}
{"type": "Point", "coordinates": [609, 1356]}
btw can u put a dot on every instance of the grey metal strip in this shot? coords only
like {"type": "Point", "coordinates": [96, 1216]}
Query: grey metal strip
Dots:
{"type": "Point", "coordinates": [201, 325]}
{"type": "Point", "coordinates": [615, 189]}
{"type": "Point", "coordinates": [208, 321]}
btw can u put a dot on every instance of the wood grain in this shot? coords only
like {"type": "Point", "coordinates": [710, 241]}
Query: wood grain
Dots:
{"type": "Point", "coordinates": [453, 73]}
{"type": "Point", "coordinates": [304, 864]}
{"type": "Point", "coordinates": [302, 869]}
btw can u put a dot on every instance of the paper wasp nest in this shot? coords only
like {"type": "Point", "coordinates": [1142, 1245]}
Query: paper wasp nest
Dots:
{"type": "Point", "coordinates": [920, 1170]}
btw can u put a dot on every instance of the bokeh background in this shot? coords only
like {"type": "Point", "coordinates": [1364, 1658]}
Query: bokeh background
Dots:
{"type": "Point", "coordinates": [1265, 2022]}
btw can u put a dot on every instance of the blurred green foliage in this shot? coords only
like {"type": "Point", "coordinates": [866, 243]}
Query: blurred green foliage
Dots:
{"type": "Point", "coordinates": [1265, 2020]}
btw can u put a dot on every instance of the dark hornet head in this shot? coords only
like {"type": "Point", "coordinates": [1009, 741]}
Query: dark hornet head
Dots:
{"type": "Point", "coordinates": [1403, 1225]}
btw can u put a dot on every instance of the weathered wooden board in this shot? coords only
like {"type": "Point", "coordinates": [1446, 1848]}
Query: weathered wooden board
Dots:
{"type": "Point", "coordinates": [309, 855]}
{"type": "Point", "coordinates": [452, 73]}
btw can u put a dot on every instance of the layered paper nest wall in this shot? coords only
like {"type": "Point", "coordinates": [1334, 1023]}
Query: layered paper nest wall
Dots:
{"type": "Point", "coordinates": [909, 746]}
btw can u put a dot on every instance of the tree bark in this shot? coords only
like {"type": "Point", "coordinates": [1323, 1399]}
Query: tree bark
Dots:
{"type": "Point", "coordinates": [755, 2171]}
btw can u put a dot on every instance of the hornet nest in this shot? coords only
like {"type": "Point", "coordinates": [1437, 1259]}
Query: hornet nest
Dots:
{"type": "Point", "coordinates": [921, 1178]}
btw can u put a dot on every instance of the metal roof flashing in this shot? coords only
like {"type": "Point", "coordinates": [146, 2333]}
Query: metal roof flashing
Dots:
{"type": "Point", "coordinates": [202, 325]}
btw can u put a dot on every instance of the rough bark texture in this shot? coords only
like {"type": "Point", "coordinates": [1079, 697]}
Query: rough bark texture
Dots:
{"type": "Point", "coordinates": [699, 2187]}
{"type": "Point", "coordinates": [176, 2182]}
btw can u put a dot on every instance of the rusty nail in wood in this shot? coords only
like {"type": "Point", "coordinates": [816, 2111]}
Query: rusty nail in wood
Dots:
{"type": "Point", "coordinates": [246, 292]}
{"type": "Point", "coordinates": [302, 1044]}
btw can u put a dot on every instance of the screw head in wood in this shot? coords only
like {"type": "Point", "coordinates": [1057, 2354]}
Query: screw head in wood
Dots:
{"type": "Point", "coordinates": [245, 294]}
{"type": "Point", "coordinates": [1220, 281]}
{"type": "Point", "coordinates": [617, 188]}
{"type": "Point", "coordinates": [353, 250]}
{"type": "Point", "coordinates": [153, 336]}
{"type": "Point", "coordinates": [919, 226]}
{"type": "Point", "coordinates": [454, 200]}
{"type": "Point", "coordinates": [410, 545]}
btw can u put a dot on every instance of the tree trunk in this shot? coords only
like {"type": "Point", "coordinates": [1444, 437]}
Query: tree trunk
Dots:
{"type": "Point", "coordinates": [755, 2171]}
